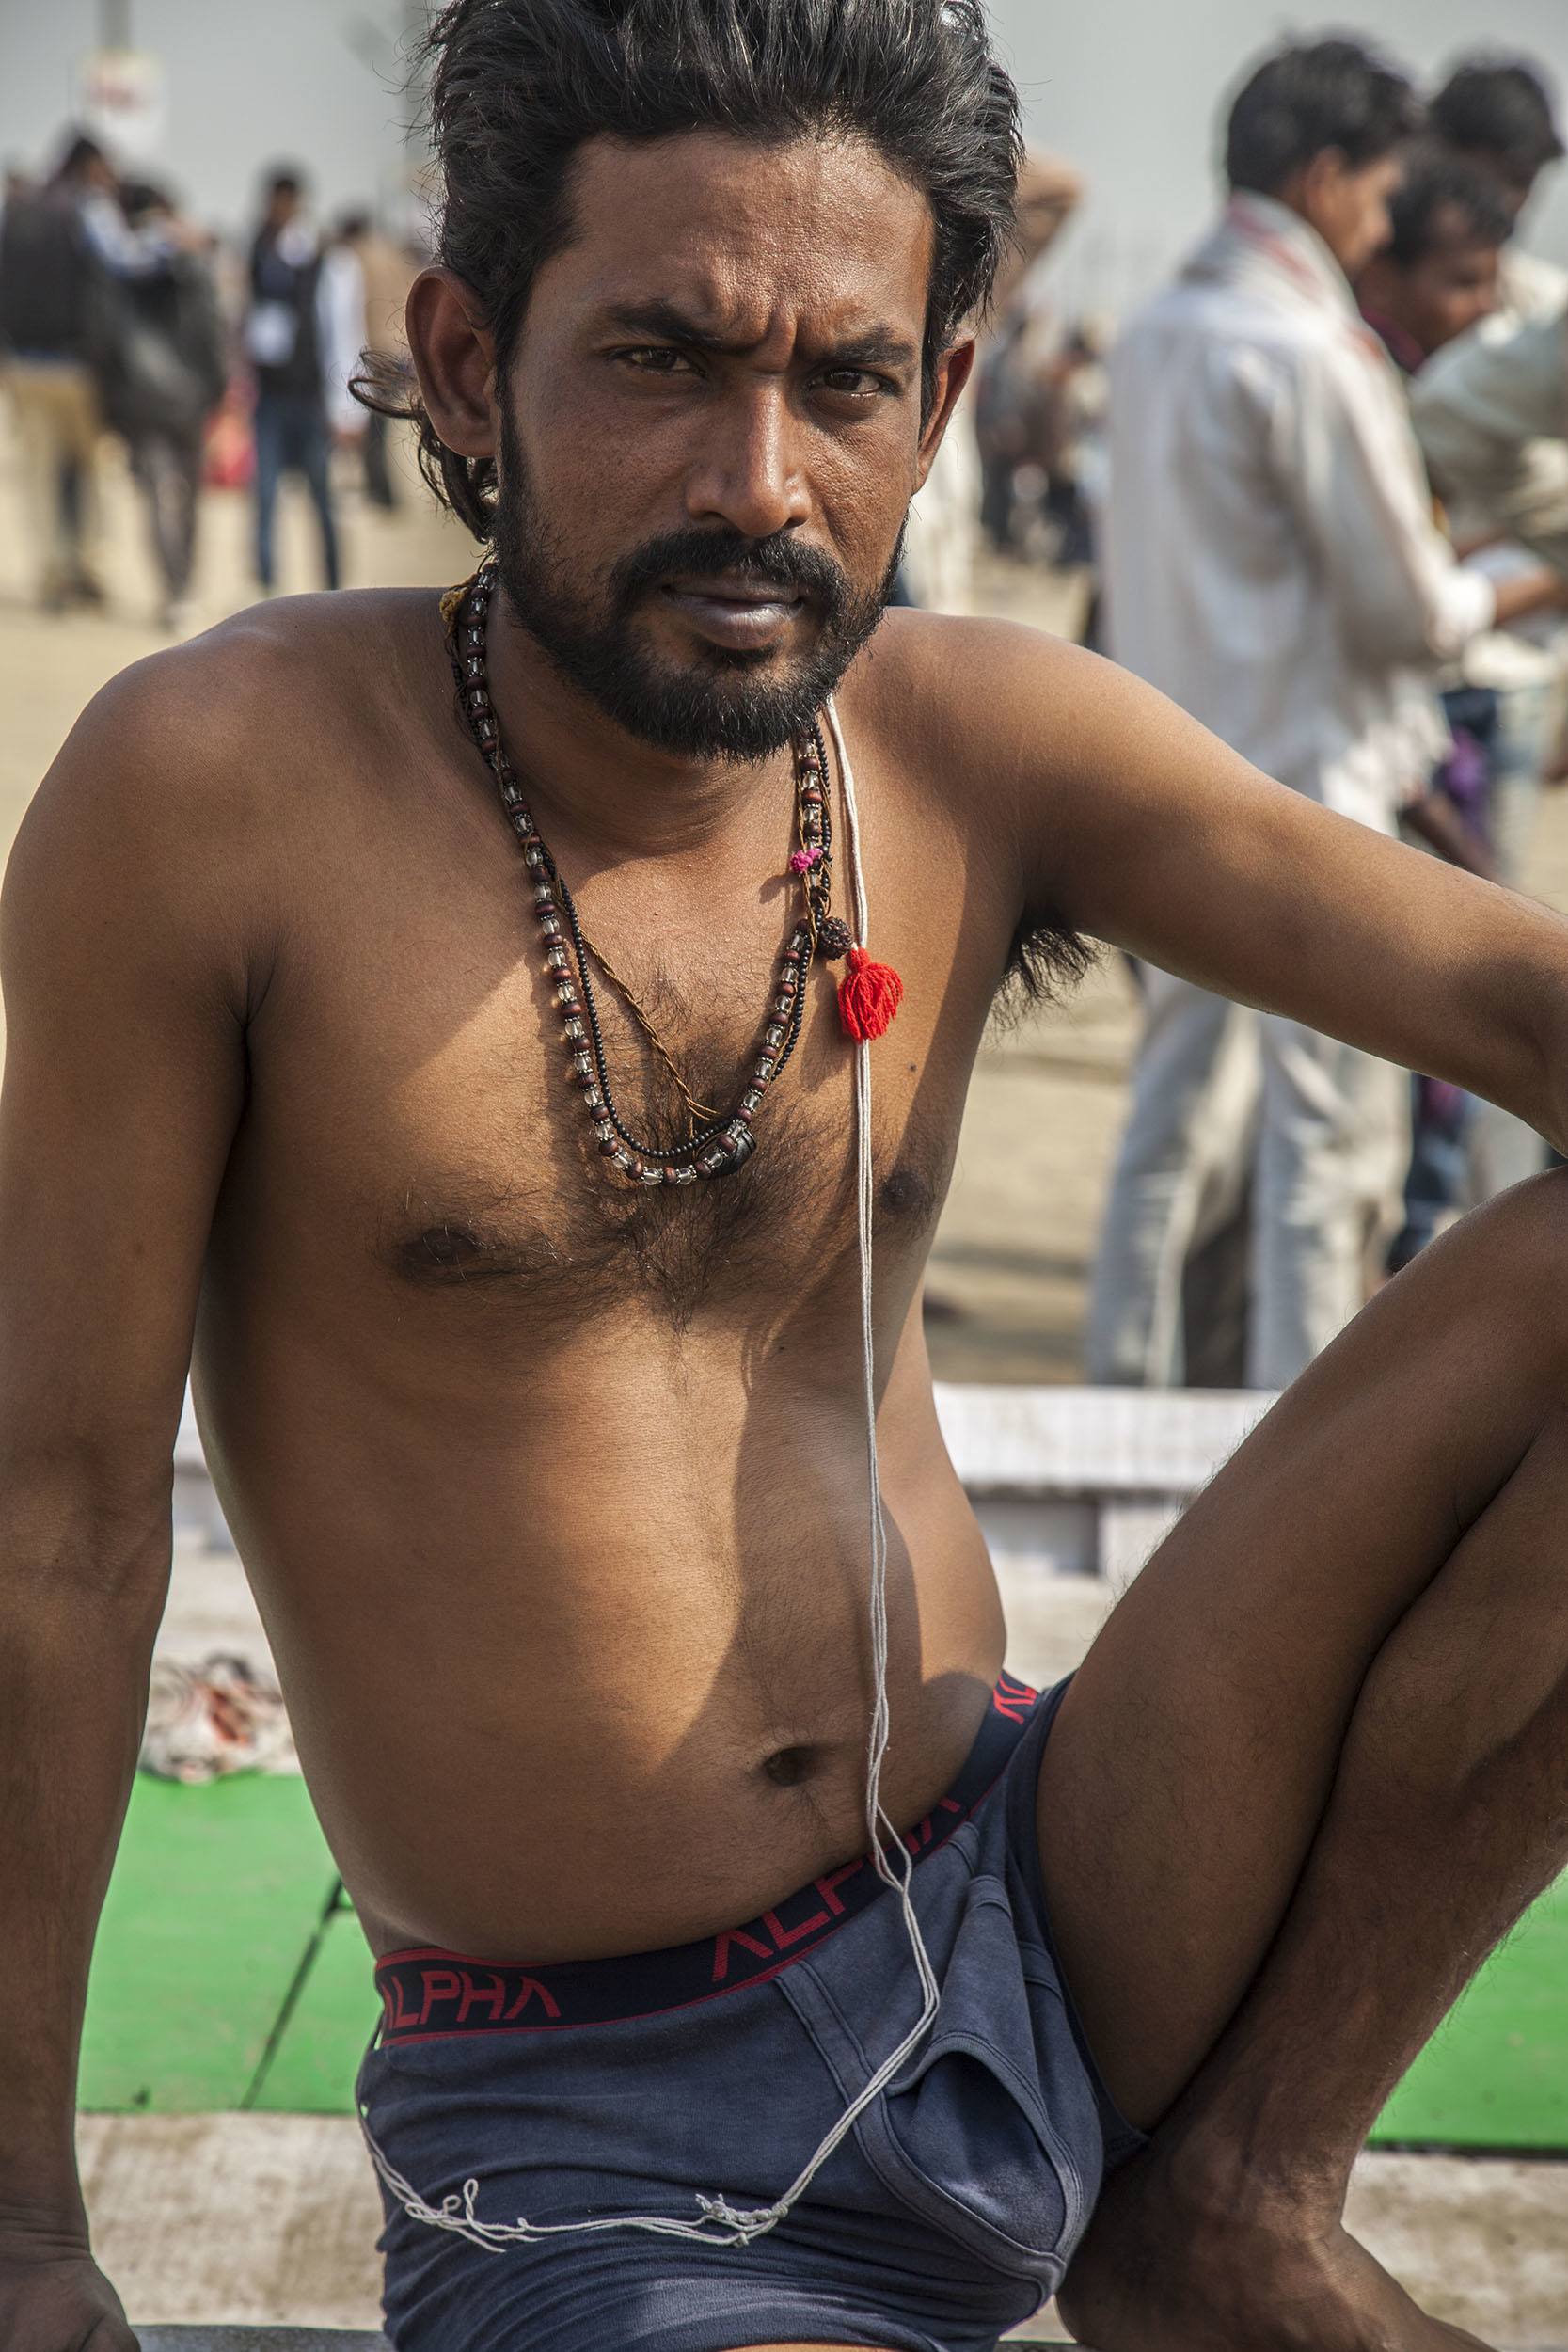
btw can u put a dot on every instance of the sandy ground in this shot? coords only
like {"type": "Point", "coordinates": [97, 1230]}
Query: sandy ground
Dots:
{"type": "Point", "coordinates": [263, 2217]}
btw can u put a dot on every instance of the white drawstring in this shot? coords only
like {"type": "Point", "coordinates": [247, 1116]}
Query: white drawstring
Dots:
{"type": "Point", "coordinates": [720, 2222]}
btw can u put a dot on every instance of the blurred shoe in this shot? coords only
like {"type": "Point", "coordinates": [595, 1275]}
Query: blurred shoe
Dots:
{"type": "Point", "coordinates": [85, 589]}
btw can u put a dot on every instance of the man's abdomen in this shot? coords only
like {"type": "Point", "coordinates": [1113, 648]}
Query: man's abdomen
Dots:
{"type": "Point", "coordinates": [586, 1670]}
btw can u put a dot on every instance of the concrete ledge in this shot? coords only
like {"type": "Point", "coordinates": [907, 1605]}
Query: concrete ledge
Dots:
{"type": "Point", "coordinates": [333, 2339]}
{"type": "Point", "coordinates": [257, 2340]}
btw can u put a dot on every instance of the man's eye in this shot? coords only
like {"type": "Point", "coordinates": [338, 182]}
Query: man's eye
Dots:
{"type": "Point", "coordinates": [656, 360]}
{"type": "Point", "coordinates": [858, 382]}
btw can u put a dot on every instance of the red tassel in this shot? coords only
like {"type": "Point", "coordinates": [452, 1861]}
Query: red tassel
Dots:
{"type": "Point", "coordinates": [868, 999]}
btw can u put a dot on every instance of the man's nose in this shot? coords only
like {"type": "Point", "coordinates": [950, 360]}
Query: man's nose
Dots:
{"type": "Point", "coordinates": [747, 471]}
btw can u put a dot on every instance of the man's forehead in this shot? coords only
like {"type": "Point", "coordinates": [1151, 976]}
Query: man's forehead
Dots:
{"type": "Point", "coordinates": [730, 230]}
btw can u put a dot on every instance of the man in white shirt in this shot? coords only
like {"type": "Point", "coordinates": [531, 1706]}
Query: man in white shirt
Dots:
{"type": "Point", "coordinates": [1273, 565]}
{"type": "Point", "coordinates": [1492, 414]}
{"type": "Point", "coordinates": [1497, 113]}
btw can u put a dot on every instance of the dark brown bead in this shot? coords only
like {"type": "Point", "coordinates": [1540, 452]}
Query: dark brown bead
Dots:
{"type": "Point", "coordinates": [833, 938]}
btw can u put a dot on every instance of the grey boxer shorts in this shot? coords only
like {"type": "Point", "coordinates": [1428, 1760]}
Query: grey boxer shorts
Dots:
{"type": "Point", "coordinates": [636, 2085]}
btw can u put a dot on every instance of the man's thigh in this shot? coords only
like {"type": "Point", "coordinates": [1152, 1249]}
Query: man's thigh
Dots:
{"type": "Point", "coordinates": [1192, 1756]}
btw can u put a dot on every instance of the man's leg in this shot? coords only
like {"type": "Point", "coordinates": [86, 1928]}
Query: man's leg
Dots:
{"type": "Point", "coordinates": [1193, 1095]}
{"type": "Point", "coordinates": [82, 433]}
{"type": "Point", "coordinates": [1314, 1766]}
{"type": "Point", "coordinates": [269, 474]}
{"type": "Point", "coordinates": [1331, 1162]}
{"type": "Point", "coordinates": [1503, 1150]}
{"type": "Point", "coordinates": [380, 488]}
{"type": "Point", "coordinates": [315, 459]}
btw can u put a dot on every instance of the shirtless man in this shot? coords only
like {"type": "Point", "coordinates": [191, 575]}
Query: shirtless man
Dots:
{"type": "Point", "coordinates": [553, 1483]}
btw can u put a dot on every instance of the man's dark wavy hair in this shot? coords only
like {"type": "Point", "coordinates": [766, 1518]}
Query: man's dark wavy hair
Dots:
{"type": "Point", "coordinates": [1500, 106]}
{"type": "Point", "coordinates": [518, 87]}
{"type": "Point", "coordinates": [1312, 96]}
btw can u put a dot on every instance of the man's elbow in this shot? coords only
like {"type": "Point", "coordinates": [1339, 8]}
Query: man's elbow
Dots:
{"type": "Point", "coordinates": [80, 1520]}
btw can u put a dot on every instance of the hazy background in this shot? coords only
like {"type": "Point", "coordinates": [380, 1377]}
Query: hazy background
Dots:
{"type": "Point", "coordinates": [1129, 89]}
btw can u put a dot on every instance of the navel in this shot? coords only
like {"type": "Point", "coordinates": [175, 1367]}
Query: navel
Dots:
{"type": "Point", "coordinates": [786, 1768]}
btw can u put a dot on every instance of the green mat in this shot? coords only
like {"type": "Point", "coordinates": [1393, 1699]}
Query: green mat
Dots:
{"type": "Point", "coordinates": [1495, 2076]}
{"type": "Point", "coordinates": [227, 1977]}
{"type": "Point", "coordinates": [215, 1900]}
{"type": "Point", "coordinates": [311, 2069]}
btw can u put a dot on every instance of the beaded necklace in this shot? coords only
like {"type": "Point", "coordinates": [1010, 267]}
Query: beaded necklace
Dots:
{"type": "Point", "coordinates": [719, 1142]}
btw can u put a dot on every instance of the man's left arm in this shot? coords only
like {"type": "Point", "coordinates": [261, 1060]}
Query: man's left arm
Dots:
{"type": "Point", "coordinates": [1139, 827]}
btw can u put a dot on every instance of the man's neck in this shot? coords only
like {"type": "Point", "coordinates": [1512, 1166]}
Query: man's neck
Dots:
{"type": "Point", "coordinates": [589, 780]}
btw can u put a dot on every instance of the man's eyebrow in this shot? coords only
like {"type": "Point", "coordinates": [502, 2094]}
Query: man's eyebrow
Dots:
{"type": "Point", "coordinates": [880, 346]}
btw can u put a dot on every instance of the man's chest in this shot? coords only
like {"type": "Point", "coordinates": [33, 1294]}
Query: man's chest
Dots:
{"type": "Point", "coordinates": [416, 1132]}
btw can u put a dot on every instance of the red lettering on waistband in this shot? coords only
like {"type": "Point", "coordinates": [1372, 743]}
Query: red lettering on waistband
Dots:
{"type": "Point", "coordinates": [783, 1937]}
{"type": "Point", "coordinates": [440, 1984]}
{"type": "Point", "coordinates": [721, 1951]}
{"type": "Point", "coordinates": [531, 1988]}
{"type": "Point", "coordinates": [1013, 1699]}
{"type": "Point", "coordinates": [401, 2020]}
{"type": "Point", "coordinates": [477, 1995]}
{"type": "Point", "coordinates": [835, 1877]}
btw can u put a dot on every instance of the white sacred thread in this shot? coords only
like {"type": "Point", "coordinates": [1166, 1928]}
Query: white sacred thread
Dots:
{"type": "Point", "coordinates": [720, 2222]}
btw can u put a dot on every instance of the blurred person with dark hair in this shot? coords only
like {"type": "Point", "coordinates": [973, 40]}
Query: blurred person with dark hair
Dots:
{"type": "Point", "coordinates": [287, 336]}
{"type": "Point", "coordinates": [1491, 410]}
{"type": "Point", "coordinates": [455, 1029]}
{"type": "Point", "coordinates": [1498, 114]}
{"type": "Point", "coordinates": [1440, 272]}
{"type": "Point", "coordinates": [1437, 279]}
{"type": "Point", "coordinates": [1272, 563]}
{"type": "Point", "coordinates": [385, 274]}
{"type": "Point", "coordinates": [162, 378]}
{"type": "Point", "coordinates": [51, 272]}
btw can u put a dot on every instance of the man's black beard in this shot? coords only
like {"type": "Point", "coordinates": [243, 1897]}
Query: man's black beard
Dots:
{"type": "Point", "coordinates": [720, 707]}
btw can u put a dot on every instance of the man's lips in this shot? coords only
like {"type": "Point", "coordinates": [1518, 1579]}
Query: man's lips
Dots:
{"type": "Point", "coordinates": [741, 614]}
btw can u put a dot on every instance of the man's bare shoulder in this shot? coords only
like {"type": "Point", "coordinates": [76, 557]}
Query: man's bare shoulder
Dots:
{"type": "Point", "coordinates": [180, 788]}
{"type": "Point", "coordinates": [226, 729]}
{"type": "Point", "coordinates": [989, 701]}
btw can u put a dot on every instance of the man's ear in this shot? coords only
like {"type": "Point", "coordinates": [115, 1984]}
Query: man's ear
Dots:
{"type": "Point", "coordinates": [455, 359]}
{"type": "Point", "coordinates": [953, 370]}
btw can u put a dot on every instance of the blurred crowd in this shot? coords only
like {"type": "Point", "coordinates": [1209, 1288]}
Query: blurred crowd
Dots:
{"type": "Point", "coordinates": [1323, 477]}
{"type": "Point", "coordinates": [214, 366]}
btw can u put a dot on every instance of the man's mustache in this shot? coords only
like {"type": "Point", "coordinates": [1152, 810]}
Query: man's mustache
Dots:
{"type": "Point", "coordinates": [782, 560]}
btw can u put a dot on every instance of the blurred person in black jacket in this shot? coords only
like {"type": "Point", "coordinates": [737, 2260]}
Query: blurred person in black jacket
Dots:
{"type": "Point", "coordinates": [284, 340]}
{"type": "Point", "coordinates": [52, 272]}
{"type": "Point", "coordinates": [162, 376]}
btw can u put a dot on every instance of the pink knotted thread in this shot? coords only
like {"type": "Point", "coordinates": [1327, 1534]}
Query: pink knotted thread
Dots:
{"type": "Point", "coordinates": [804, 860]}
